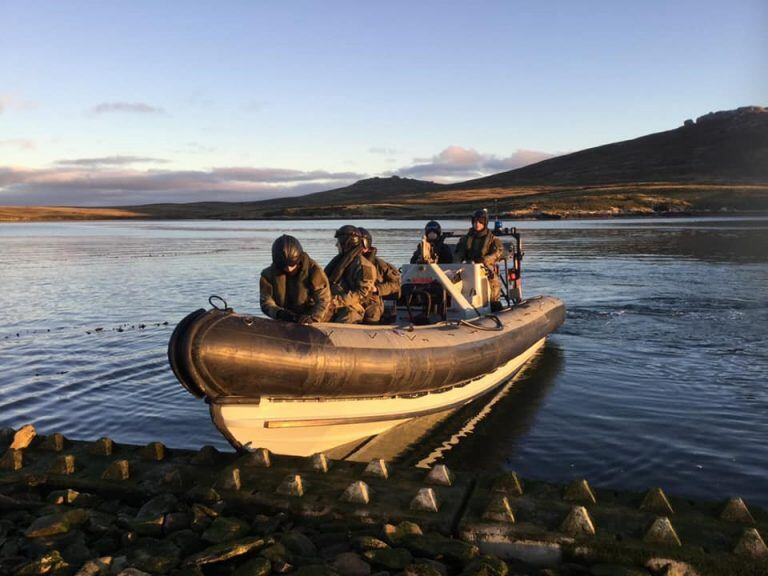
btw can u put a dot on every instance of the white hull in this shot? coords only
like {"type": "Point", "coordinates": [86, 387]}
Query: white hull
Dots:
{"type": "Point", "coordinates": [307, 426]}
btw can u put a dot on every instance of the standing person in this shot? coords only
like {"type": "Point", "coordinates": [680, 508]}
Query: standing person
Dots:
{"type": "Point", "coordinates": [440, 252]}
{"type": "Point", "coordinates": [387, 280]}
{"type": "Point", "coordinates": [481, 246]}
{"type": "Point", "coordinates": [294, 288]}
{"type": "Point", "coordinates": [352, 277]}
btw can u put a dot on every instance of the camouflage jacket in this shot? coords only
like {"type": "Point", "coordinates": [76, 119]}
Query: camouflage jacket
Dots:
{"type": "Point", "coordinates": [356, 281]}
{"type": "Point", "coordinates": [387, 276]}
{"type": "Point", "coordinates": [480, 247]}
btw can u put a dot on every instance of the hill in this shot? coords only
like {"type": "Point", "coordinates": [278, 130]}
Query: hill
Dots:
{"type": "Point", "coordinates": [717, 163]}
{"type": "Point", "coordinates": [729, 146]}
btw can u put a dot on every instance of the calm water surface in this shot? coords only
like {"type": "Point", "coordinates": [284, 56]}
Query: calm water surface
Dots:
{"type": "Point", "coordinates": [658, 377]}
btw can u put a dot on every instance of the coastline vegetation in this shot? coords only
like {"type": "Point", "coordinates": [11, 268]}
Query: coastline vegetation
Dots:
{"type": "Point", "coordinates": [520, 202]}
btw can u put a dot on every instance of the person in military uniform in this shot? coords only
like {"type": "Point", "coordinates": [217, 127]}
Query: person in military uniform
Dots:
{"type": "Point", "coordinates": [294, 288]}
{"type": "Point", "coordinates": [440, 252]}
{"type": "Point", "coordinates": [481, 246]}
{"type": "Point", "coordinates": [352, 277]}
{"type": "Point", "coordinates": [387, 280]}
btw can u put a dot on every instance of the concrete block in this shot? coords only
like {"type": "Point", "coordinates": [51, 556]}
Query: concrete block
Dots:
{"type": "Point", "coordinates": [258, 458]}
{"type": "Point", "coordinates": [377, 469]}
{"type": "Point", "coordinates": [292, 485]}
{"type": "Point", "coordinates": [656, 501]}
{"type": "Point", "coordinates": [230, 479]}
{"type": "Point", "coordinates": [662, 533]}
{"type": "Point", "coordinates": [425, 501]}
{"type": "Point", "coordinates": [64, 465]}
{"type": "Point", "coordinates": [103, 447]}
{"type": "Point", "coordinates": [751, 545]}
{"type": "Point", "coordinates": [206, 456]}
{"type": "Point", "coordinates": [499, 510]}
{"type": "Point", "coordinates": [440, 475]}
{"type": "Point", "coordinates": [357, 493]}
{"type": "Point", "coordinates": [579, 491]}
{"type": "Point", "coordinates": [736, 510]}
{"type": "Point", "coordinates": [153, 452]}
{"type": "Point", "coordinates": [119, 470]}
{"type": "Point", "coordinates": [319, 462]}
{"type": "Point", "coordinates": [53, 443]}
{"type": "Point", "coordinates": [12, 460]}
{"type": "Point", "coordinates": [578, 523]}
{"type": "Point", "coordinates": [509, 484]}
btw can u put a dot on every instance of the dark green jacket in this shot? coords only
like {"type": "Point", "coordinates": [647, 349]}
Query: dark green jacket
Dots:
{"type": "Point", "coordinates": [479, 247]}
{"type": "Point", "coordinates": [306, 292]}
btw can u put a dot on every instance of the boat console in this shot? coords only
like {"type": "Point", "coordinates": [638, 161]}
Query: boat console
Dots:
{"type": "Point", "coordinates": [434, 292]}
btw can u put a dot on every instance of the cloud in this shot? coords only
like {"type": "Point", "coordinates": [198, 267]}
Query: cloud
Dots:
{"type": "Point", "coordinates": [128, 107]}
{"type": "Point", "coordinates": [456, 163]}
{"type": "Point", "coordinates": [111, 161]}
{"type": "Point", "coordinates": [282, 175]}
{"type": "Point", "coordinates": [18, 143]}
{"type": "Point", "coordinates": [382, 150]}
{"type": "Point", "coordinates": [113, 185]}
{"type": "Point", "coordinates": [13, 102]}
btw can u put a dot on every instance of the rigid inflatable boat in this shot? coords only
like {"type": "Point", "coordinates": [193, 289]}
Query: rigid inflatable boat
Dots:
{"type": "Point", "coordinates": [303, 389]}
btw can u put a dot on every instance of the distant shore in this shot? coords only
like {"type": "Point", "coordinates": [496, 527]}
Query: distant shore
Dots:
{"type": "Point", "coordinates": [638, 199]}
{"type": "Point", "coordinates": [20, 215]}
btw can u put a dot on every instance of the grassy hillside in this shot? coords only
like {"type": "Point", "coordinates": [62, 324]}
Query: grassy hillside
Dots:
{"type": "Point", "coordinates": [717, 164]}
{"type": "Point", "coordinates": [38, 213]}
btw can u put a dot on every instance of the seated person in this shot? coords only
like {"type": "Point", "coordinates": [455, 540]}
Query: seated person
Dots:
{"type": "Point", "coordinates": [387, 280]}
{"type": "Point", "coordinates": [294, 288]}
{"type": "Point", "coordinates": [440, 252]}
{"type": "Point", "coordinates": [352, 277]}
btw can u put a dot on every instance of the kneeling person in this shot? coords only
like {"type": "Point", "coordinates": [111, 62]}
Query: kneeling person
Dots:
{"type": "Point", "coordinates": [294, 288]}
{"type": "Point", "coordinates": [352, 277]}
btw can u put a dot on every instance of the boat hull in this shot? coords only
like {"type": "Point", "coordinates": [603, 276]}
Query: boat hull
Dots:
{"type": "Point", "coordinates": [298, 389]}
{"type": "Point", "coordinates": [220, 354]}
{"type": "Point", "coordinates": [307, 426]}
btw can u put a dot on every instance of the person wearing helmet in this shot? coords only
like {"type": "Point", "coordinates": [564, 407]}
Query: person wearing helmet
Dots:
{"type": "Point", "coordinates": [481, 246]}
{"type": "Point", "coordinates": [387, 280]}
{"type": "Point", "coordinates": [294, 288]}
{"type": "Point", "coordinates": [352, 277]}
{"type": "Point", "coordinates": [440, 252]}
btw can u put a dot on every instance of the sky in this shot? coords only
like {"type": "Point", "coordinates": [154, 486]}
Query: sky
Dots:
{"type": "Point", "coordinates": [124, 103]}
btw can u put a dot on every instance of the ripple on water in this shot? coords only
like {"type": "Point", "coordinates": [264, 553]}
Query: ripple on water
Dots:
{"type": "Point", "coordinates": [657, 377]}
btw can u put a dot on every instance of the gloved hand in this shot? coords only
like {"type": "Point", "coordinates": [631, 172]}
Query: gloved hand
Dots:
{"type": "Point", "coordinates": [305, 319]}
{"type": "Point", "coordinates": [286, 316]}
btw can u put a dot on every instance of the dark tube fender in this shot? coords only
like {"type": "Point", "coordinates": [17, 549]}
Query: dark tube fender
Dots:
{"type": "Point", "coordinates": [219, 353]}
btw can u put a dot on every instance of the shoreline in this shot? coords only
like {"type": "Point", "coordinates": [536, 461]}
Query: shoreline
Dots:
{"type": "Point", "coordinates": [544, 216]}
{"type": "Point", "coordinates": [119, 509]}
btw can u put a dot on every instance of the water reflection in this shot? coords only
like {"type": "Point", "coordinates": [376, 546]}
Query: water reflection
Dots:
{"type": "Point", "coordinates": [474, 437]}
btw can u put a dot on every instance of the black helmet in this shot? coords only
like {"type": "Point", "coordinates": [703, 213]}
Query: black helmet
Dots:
{"type": "Point", "coordinates": [367, 238]}
{"type": "Point", "coordinates": [480, 216]}
{"type": "Point", "coordinates": [433, 226]}
{"type": "Point", "coordinates": [349, 237]}
{"type": "Point", "coordinates": [286, 251]}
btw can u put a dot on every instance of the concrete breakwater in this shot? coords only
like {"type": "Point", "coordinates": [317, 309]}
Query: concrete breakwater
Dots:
{"type": "Point", "coordinates": [96, 508]}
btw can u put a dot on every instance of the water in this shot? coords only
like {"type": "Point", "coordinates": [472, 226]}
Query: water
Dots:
{"type": "Point", "coordinates": [658, 377]}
